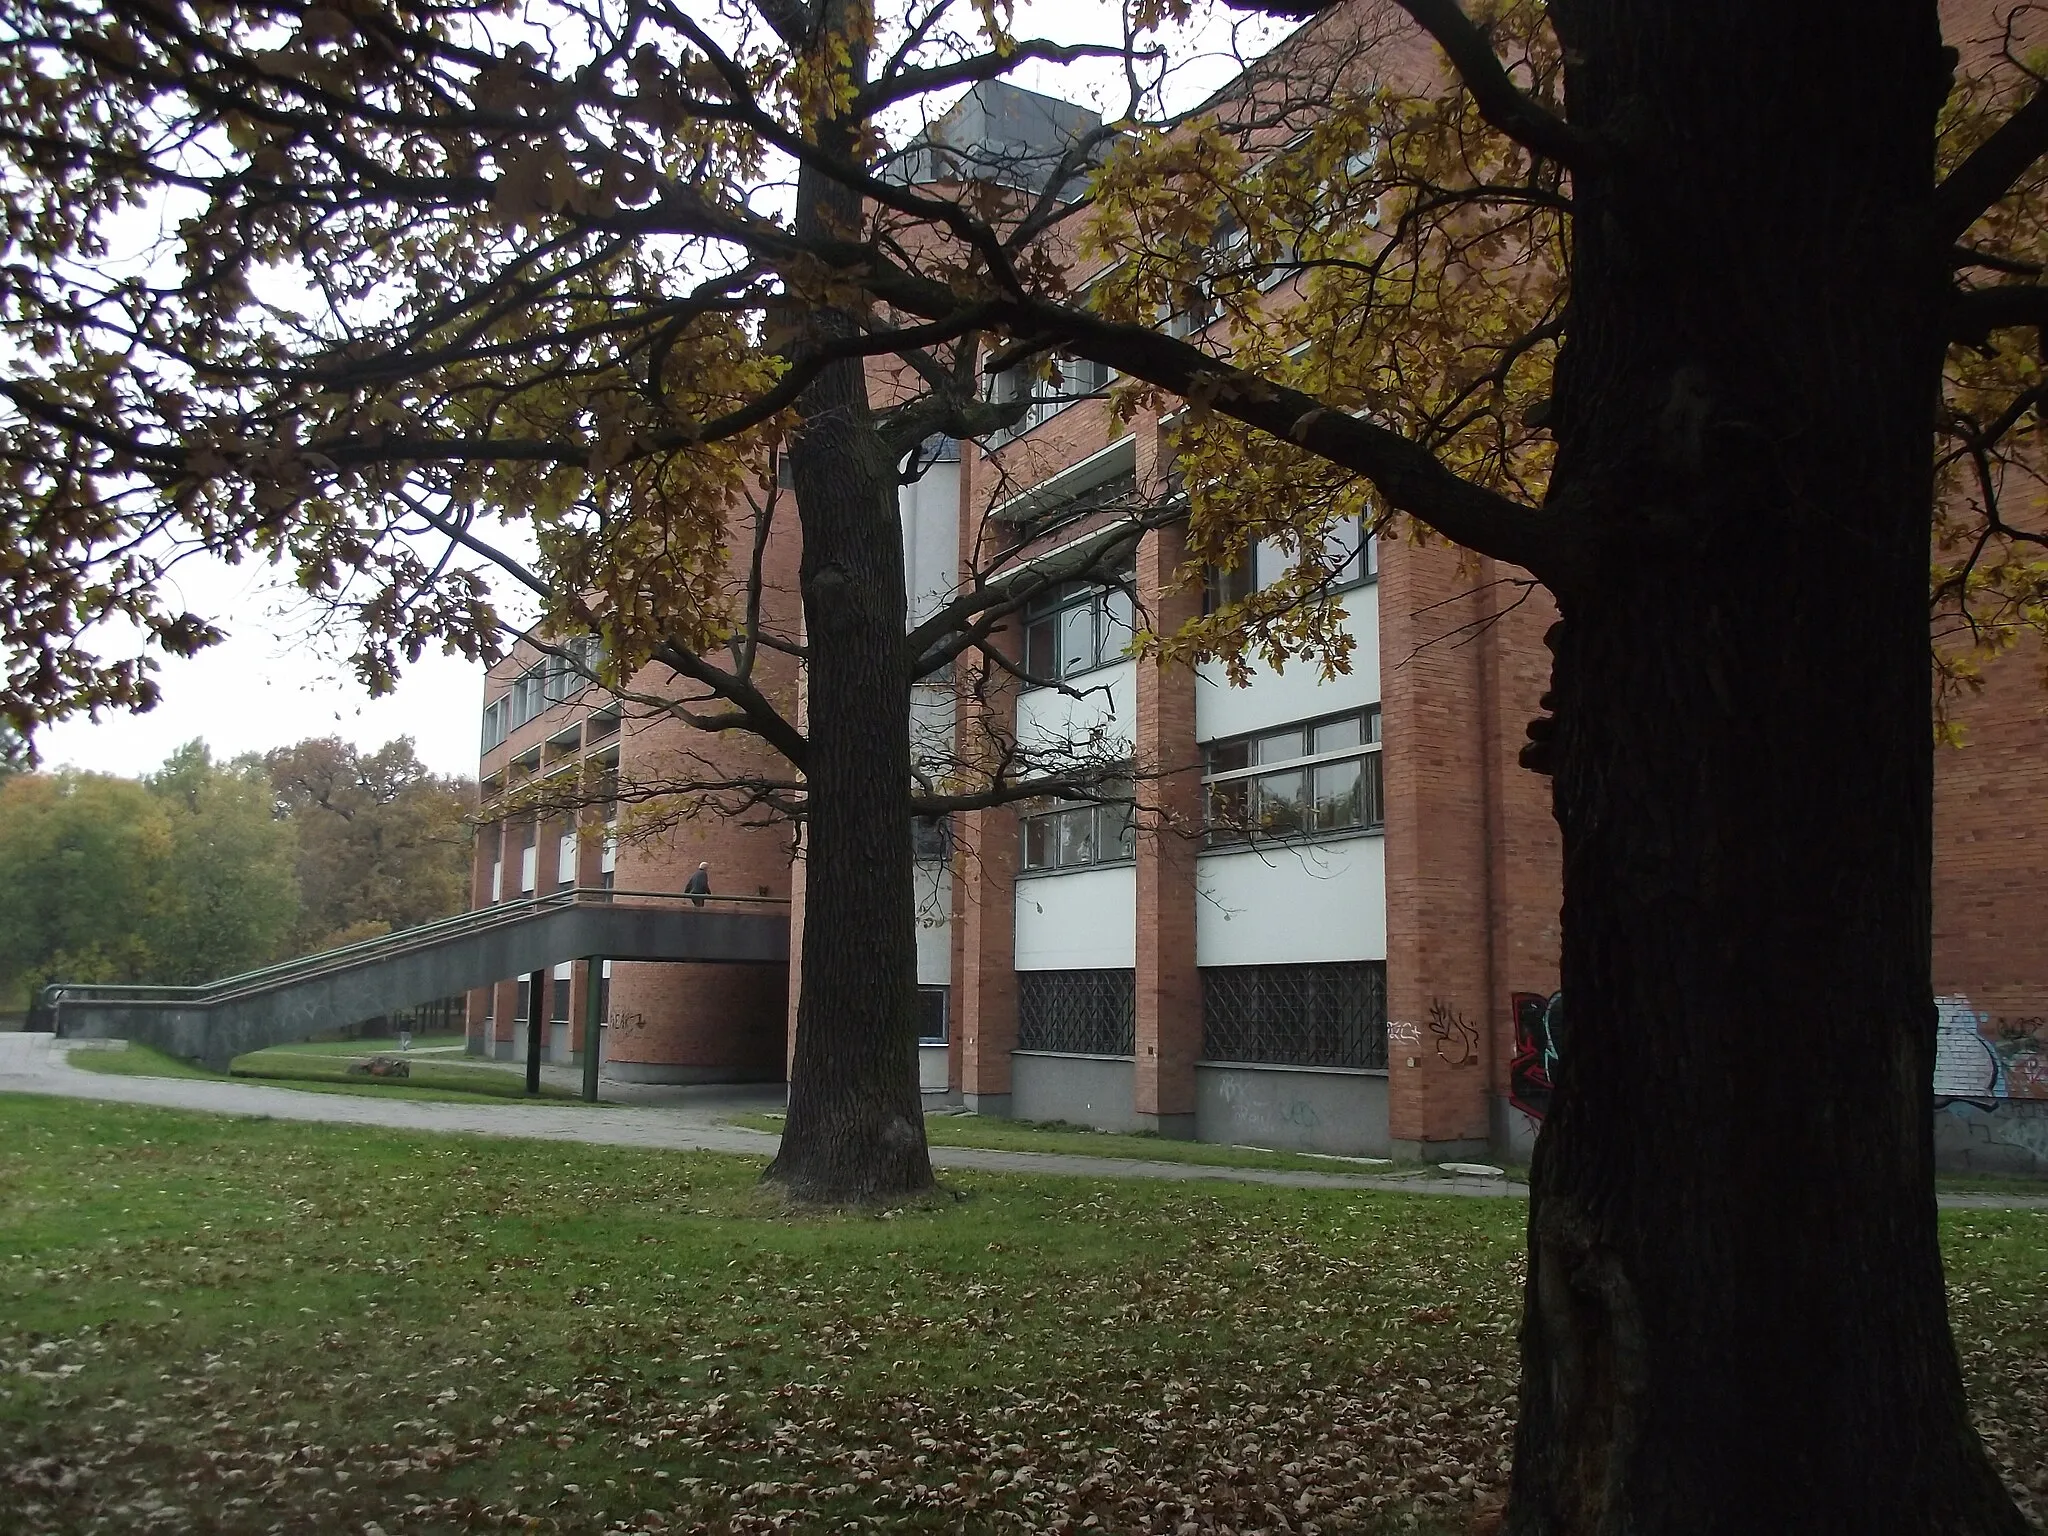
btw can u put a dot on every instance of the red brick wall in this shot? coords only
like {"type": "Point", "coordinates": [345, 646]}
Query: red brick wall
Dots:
{"type": "Point", "coordinates": [1991, 844]}
{"type": "Point", "coordinates": [1169, 986]}
{"type": "Point", "coordinates": [1437, 857]}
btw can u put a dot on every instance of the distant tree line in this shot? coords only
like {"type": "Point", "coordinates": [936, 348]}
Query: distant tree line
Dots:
{"type": "Point", "coordinates": [209, 867]}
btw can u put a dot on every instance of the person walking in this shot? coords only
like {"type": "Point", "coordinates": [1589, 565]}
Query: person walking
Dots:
{"type": "Point", "coordinates": [699, 885]}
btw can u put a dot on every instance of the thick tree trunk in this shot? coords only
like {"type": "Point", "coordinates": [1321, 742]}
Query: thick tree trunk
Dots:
{"type": "Point", "coordinates": [855, 1130]}
{"type": "Point", "coordinates": [1735, 1318]}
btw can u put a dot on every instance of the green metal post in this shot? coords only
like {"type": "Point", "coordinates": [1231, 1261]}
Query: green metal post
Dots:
{"type": "Point", "coordinates": [593, 1023]}
{"type": "Point", "coordinates": [537, 1010]}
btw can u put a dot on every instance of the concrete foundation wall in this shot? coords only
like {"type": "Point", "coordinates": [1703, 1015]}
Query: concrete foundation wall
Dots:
{"type": "Point", "coordinates": [1292, 1109]}
{"type": "Point", "coordinates": [2011, 1138]}
{"type": "Point", "coordinates": [1081, 1090]}
{"type": "Point", "coordinates": [658, 1072]}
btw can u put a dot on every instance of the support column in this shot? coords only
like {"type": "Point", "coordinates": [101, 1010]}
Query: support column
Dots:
{"type": "Point", "coordinates": [593, 1024]}
{"type": "Point", "coordinates": [539, 997]}
{"type": "Point", "coordinates": [1169, 791]}
{"type": "Point", "coordinates": [1440, 1007]}
{"type": "Point", "coordinates": [984, 985]}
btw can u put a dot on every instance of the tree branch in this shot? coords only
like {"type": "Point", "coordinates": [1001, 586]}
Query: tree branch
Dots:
{"type": "Point", "coordinates": [1974, 313]}
{"type": "Point", "coordinates": [1990, 171]}
{"type": "Point", "coordinates": [1501, 102]}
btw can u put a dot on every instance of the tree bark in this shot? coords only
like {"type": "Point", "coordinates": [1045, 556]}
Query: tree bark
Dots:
{"type": "Point", "coordinates": [1734, 1318]}
{"type": "Point", "coordinates": [855, 1131]}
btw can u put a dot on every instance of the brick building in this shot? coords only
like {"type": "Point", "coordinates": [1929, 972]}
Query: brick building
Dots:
{"type": "Point", "coordinates": [1328, 919]}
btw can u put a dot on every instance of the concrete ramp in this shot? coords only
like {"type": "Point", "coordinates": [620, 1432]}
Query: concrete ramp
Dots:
{"type": "Point", "coordinates": [219, 1021]}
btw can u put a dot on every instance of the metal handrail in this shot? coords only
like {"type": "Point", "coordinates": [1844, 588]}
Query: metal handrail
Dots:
{"type": "Point", "coordinates": [404, 939]}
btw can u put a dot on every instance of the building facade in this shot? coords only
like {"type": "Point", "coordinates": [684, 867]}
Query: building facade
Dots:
{"type": "Point", "coordinates": [1326, 918]}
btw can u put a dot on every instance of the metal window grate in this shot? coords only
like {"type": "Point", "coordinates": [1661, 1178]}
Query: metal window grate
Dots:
{"type": "Point", "coordinates": [1296, 1015]}
{"type": "Point", "coordinates": [1090, 1013]}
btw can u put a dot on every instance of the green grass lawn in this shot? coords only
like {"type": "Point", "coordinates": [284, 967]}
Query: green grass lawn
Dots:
{"type": "Point", "coordinates": [320, 1069]}
{"type": "Point", "coordinates": [945, 1130]}
{"type": "Point", "coordinates": [209, 1324]}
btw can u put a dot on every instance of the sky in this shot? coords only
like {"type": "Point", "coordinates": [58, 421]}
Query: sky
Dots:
{"type": "Point", "coordinates": [272, 683]}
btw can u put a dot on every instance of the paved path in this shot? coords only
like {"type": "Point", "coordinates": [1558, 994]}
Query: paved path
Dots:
{"type": "Point", "coordinates": [688, 1120]}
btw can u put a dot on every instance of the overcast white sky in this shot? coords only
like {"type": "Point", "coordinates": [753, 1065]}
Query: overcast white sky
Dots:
{"type": "Point", "coordinates": [271, 683]}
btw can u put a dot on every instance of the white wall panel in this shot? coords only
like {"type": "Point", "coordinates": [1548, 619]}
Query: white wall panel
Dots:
{"type": "Point", "coordinates": [1108, 698]}
{"type": "Point", "coordinates": [934, 931]}
{"type": "Point", "coordinates": [1085, 921]}
{"type": "Point", "coordinates": [1299, 693]}
{"type": "Point", "coordinates": [1292, 905]}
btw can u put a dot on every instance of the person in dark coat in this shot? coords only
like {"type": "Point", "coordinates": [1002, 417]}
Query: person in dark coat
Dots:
{"type": "Point", "coordinates": [700, 884]}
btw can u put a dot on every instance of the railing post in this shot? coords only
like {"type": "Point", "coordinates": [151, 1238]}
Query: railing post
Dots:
{"type": "Point", "coordinates": [593, 1024]}
{"type": "Point", "coordinates": [537, 1010]}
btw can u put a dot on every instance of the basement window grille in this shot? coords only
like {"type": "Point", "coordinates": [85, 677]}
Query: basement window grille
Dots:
{"type": "Point", "coordinates": [1084, 1013]}
{"type": "Point", "coordinates": [1296, 1015]}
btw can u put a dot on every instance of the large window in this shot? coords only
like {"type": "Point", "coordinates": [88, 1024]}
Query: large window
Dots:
{"type": "Point", "coordinates": [1349, 555]}
{"type": "Point", "coordinates": [1076, 628]}
{"type": "Point", "coordinates": [1079, 836]}
{"type": "Point", "coordinates": [1083, 1013]}
{"type": "Point", "coordinates": [1303, 781]}
{"type": "Point", "coordinates": [546, 682]}
{"type": "Point", "coordinates": [1073, 379]}
{"type": "Point", "coordinates": [1296, 1015]}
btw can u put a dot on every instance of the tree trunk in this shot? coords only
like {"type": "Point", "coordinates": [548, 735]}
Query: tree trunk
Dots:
{"type": "Point", "coordinates": [855, 1130]}
{"type": "Point", "coordinates": [1734, 1318]}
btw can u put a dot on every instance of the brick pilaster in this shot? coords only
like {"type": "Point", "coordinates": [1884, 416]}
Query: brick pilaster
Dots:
{"type": "Point", "coordinates": [1169, 987]}
{"type": "Point", "coordinates": [1439, 979]}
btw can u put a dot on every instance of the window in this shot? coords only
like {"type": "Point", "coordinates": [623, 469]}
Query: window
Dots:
{"type": "Point", "coordinates": [529, 861]}
{"type": "Point", "coordinates": [1078, 836]}
{"type": "Point", "coordinates": [931, 1015]}
{"type": "Point", "coordinates": [497, 713]}
{"type": "Point", "coordinates": [1296, 1015]}
{"type": "Point", "coordinates": [1076, 628]}
{"type": "Point", "coordinates": [930, 841]}
{"type": "Point", "coordinates": [1350, 556]}
{"type": "Point", "coordinates": [1082, 1013]}
{"type": "Point", "coordinates": [1302, 781]}
{"type": "Point", "coordinates": [1072, 379]}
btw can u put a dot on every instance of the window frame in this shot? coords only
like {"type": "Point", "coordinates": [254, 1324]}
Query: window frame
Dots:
{"type": "Point", "coordinates": [1224, 585]}
{"type": "Point", "coordinates": [1053, 606]}
{"type": "Point", "coordinates": [1079, 379]}
{"type": "Point", "coordinates": [1105, 831]}
{"type": "Point", "coordinates": [1221, 835]}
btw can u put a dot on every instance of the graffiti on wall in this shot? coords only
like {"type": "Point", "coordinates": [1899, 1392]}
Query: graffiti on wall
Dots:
{"type": "Point", "coordinates": [1981, 1058]}
{"type": "Point", "coordinates": [1457, 1038]}
{"type": "Point", "coordinates": [1539, 1034]}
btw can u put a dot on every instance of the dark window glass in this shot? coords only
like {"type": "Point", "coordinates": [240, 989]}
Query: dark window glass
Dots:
{"type": "Point", "coordinates": [1041, 843]}
{"type": "Point", "coordinates": [931, 1015]}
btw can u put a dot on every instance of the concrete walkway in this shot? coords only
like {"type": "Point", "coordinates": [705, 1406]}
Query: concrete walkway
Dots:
{"type": "Point", "coordinates": [685, 1120]}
